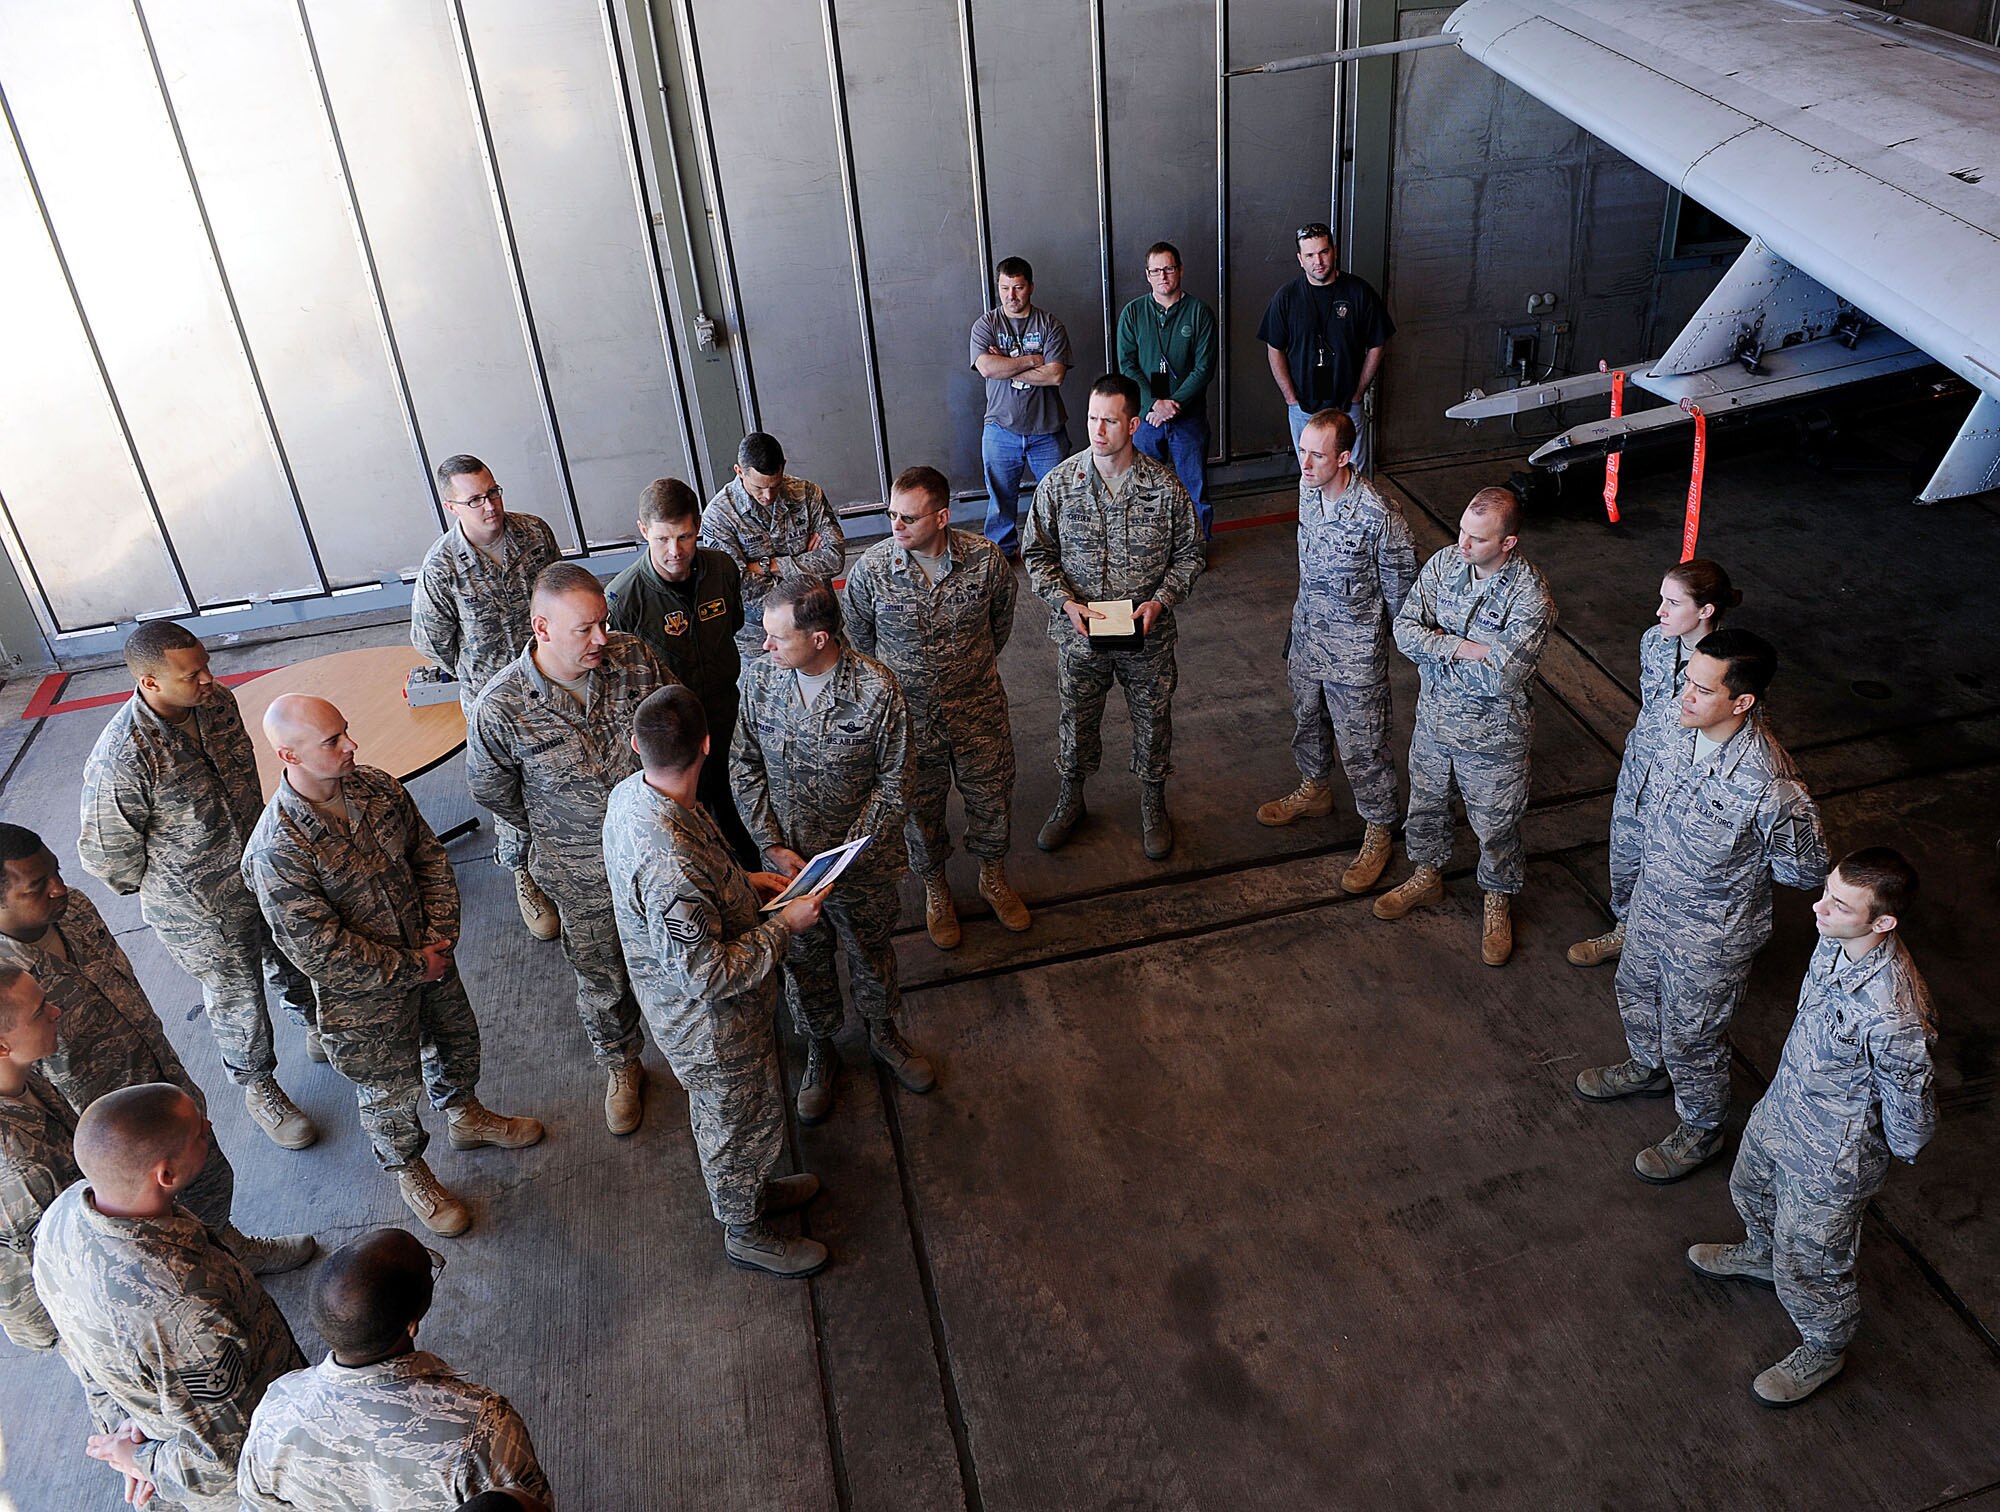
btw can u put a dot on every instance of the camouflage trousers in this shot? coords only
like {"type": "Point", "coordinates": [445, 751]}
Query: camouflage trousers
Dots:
{"type": "Point", "coordinates": [604, 999]}
{"type": "Point", "coordinates": [1083, 682]}
{"type": "Point", "coordinates": [1628, 840]}
{"type": "Point", "coordinates": [212, 1194]}
{"type": "Point", "coordinates": [727, 1061]}
{"type": "Point", "coordinates": [978, 756]}
{"type": "Point", "coordinates": [234, 971]}
{"type": "Point", "coordinates": [1811, 1233]}
{"type": "Point", "coordinates": [1676, 999]}
{"type": "Point", "coordinates": [396, 1045]}
{"type": "Point", "coordinates": [510, 845]}
{"type": "Point", "coordinates": [1330, 716]}
{"type": "Point", "coordinates": [1491, 771]}
{"type": "Point", "coordinates": [859, 918]}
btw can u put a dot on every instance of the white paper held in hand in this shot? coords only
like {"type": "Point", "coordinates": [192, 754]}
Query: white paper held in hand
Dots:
{"type": "Point", "coordinates": [819, 872]}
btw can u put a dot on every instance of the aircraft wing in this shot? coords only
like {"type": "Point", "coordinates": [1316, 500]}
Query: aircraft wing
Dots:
{"type": "Point", "coordinates": [1862, 151]}
{"type": "Point", "coordinates": [1858, 149]}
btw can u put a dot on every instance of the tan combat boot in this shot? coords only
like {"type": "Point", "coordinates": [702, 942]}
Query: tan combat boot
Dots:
{"type": "Point", "coordinates": [1062, 820]}
{"type": "Point", "coordinates": [1365, 870]}
{"type": "Point", "coordinates": [1001, 898]}
{"type": "Point", "coordinates": [625, 1098]}
{"type": "Point", "coordinates": [268, 1257]}
{"type": "Point", "coordinates": [817, 1081]}
{"type": "Point", "coordinates": [1797, 1376]}
{"type": "Point", "coordinates": [758, 1246]}
{"type": "Point", "coordinates": [1420, 889]}
{"type": "Point", "coordinates": [1733, 1262]}
{"type": "Point", "coordinates": [1598, 949]}
{"type": "Point", "coordinates": [537, 912]}
{"type": "Point", "coordinates": [909, 1065]}
{"type": "Point", "coordinates": [940, 914]}
{"type": "Point", "coordinates": [1678, 1156]}
{"type": "Point", "coordinates": [436, 1206]}
{"type": "Point", "coordinates": [1311, 799]}
{"type": "Point", "coordinates": [277, 1115]}
{"type": "Point", "coordinates": [472, 1124]}
{"type": "Point", "coordinates": [1496, 934]}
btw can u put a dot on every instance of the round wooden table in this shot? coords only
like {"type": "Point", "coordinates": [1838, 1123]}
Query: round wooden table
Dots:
{"type": "Point", "coordinates": [366, 686]}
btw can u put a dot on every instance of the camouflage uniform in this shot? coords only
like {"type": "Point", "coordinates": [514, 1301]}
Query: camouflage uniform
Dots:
{"type": "Point", "coordinates": [1854, 1086]}
{"type": "Point", "coordinates": [469, 613]}
{"type": "Point", "coordinates": [813, 778]}
{"type": "Point", "coordinates": [108, 1035]}
{"type": "Point", "coordinates": [164, 1326]}
{"type": "Point", "coordinates": [943, 640]}
{"type": "Point", "coordinates": [746, 531]}
{"type": "Point", "coordinates": [354, 909]}
{"type": "Point", "coordinates": [1356, 565]}
{"type": "Point", "coordinates": [166, 810]}
{"type": "Point", "coordinates": [36, 1130]}
{"type": "Point", "coordinates": [705, 964]}
{"type": "Point", "coordinates": [1719, 829]}
{"type": "Point", "coordinates": [1475, 719]}
{"type": "Point", "coordinates": [1663, 664]}
{"type": "Point", "coordinates": [1086, 545]}
{"type": "Point", "coordinates": [404, 1434]}
{"type": "Point", "coordinates": [546, 767]}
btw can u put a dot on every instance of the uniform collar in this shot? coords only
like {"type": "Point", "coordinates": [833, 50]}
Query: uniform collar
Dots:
{"type": "Point", "coordinates": [179, 1228]}
{"type": "Point", "coordinates": [417, 1365]}
{"type": "Point", "coordinates": [1830, 963]}
{"type": "Point", "coordinates": [539, 680]}
{"type": "Point", "coordinates": [899, 558]}
{"type": "Point", "coordinates": [652, 574]}
{"type": "Point", "coordinates": [295, 806]}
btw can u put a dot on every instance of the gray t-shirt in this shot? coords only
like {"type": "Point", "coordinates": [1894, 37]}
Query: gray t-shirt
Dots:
{"type": "Point", "coordinates": [1026, 409]}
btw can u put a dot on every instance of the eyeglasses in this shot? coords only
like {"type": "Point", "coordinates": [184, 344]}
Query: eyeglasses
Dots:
{"type": "Point", "coordinates": [437, 1261]}
{"type": "Point", "coordinates": [1312, 230]}
{"type": "Point", "coordinates": [910, 519]}
{"type": "Point", "coordinates": [479, 500]}
{"type": "Point", "coordinates": [1163, 272]}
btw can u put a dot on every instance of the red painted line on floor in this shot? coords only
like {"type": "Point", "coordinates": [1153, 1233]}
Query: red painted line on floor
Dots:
{"type": "Point", "coordinates": [44, 702]}
{"type": "Point", "coordinates": [1256, 520]}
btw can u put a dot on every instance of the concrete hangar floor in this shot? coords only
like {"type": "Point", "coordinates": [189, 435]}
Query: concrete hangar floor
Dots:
{"type": "Point", "coordinates": [1233, 1196]}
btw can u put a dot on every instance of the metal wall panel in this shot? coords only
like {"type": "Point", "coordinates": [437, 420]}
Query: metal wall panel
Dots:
{"type": "Point", "coordinates": [63, 456]}
{"type": "Point", "coordinates": [1280, 176]}
{"type": "Point", "coordinates": [1160, 89]}
{"type": "Point", "coordinates": [1037, 112]}
{"type": "Point", "coordinates": [562, 144]}
{"type": "Point", "coordinates": [119, 201]}
{"type": "Point", "coordinates": [917, 217]}
{"type": "Point", "coordinates": [769, 95]}
{"type": "Point", "coordinates": [248, 104]}
{"type": "Point", "coordinates": [415, 152]}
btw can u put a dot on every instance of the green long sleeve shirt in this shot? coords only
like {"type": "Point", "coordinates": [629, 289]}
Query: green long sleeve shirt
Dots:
{"type": "Point", "coordinates": [1185, 331]}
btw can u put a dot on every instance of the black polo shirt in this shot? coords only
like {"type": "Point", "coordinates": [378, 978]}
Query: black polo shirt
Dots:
{"type": "Point", "coordinates": [1326, 334]}
{"type": "Point", "coordinates": [691, 625]}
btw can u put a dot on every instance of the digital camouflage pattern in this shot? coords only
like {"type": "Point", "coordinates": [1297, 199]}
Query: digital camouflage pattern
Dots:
{"type": "Point", "coordinates": [748, 532]}
{"type": "Point", "coordinates": [470, 613]}
{"type": "Point", "coordinates": [1854, 1086]}
{"type": "Point", "coordinates": [1356, 566]}
{"type": "Point", "coordinates": [406, 1434]}
{"type": "Point", "coordinates": [166, 812]}
{"type": "Point", "coordinates": [163, 1325]}
{"type": "Point", "coordinates": [1663, 662]}
{"type": "Point", "coordinates": [943, 639]}
{"type": "Point", "coordinates": [1475, 719]}
{"type": "Point", "coordinates": [36, 1164]}
{"type": "Point", "coordinates": [547, 766]}
{"type": "Point", "coordinates": [811, 779]}
{"type": "Point", "coordinates": [1086, 544]}
{"type": "Point", "coordinates": [705, 964]}
{"type": "Point", "coordinates": [1720, 829]}
{"type": "Point", "coordinates": [108, 1035]}
{"type": "Point", "coordinates": [353, 907]}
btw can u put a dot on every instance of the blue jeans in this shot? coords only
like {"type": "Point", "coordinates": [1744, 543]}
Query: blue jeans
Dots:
{"type": "Point", "coordinates": [1002, 455]}
{"type": "Point", "coordinates": [1364, 451]}
{"type": "Point", "coordinates": [1183, 442]}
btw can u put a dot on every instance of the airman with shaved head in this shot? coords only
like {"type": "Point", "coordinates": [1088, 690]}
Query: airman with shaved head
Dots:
{"type": "Point", "coordinates": [549, 738]}
{"type": "Point", "coordinates": [169, 796]}
{"type": "Point", "coordinates": [380, 1423]}
{"type": "Point", "coordinates": [360, 894]}
{"type": "Point", "coordinates": [1474, 624]}
{"type": "Point", "coordinates": [173, 1340]}
{"type": "Point", "coordinates": [107, 1035]}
